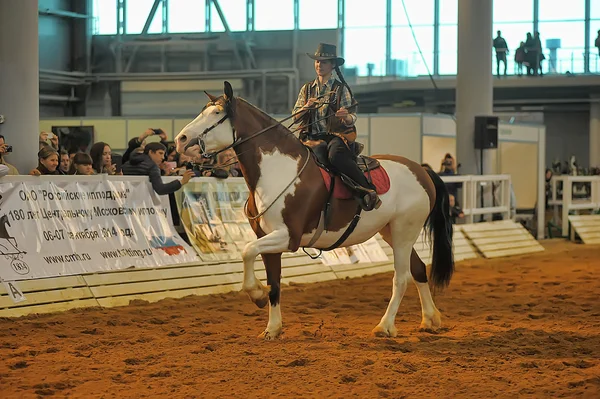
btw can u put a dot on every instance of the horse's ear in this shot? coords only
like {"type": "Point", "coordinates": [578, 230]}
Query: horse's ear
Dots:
{"type": "Point", "coordinates": [228, 90]}
{"type": "Point", "coordinates": [212, 98]}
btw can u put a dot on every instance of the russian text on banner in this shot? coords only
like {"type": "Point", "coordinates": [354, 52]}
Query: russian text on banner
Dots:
{"type": "Point", "coordinates": [65, 226]}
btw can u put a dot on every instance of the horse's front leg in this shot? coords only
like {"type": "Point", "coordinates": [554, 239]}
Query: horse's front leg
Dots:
{"type": "Point", "coordinates": [272, 243]}
{"type": "Point", "coordinates": [273, 267]}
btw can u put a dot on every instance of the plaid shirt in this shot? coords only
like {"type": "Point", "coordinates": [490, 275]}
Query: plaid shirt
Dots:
{"type": "Point", "coordinates": [316, 90]}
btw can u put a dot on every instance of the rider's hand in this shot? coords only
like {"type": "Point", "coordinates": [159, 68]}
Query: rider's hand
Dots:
{"type": "Point", "coordinates": [344, 115]}
{"type": "Point", "coordinates": [187, 176]}
{"type": "Point", "coordinates": [310, 102]}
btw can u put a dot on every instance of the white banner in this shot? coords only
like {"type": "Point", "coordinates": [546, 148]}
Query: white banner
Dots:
{"type": "Point", "coordinates": [65, 226]}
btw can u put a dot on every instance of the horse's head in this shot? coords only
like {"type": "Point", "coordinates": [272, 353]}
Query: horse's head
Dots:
{"type": "Point", "coordinates": [212, 130]}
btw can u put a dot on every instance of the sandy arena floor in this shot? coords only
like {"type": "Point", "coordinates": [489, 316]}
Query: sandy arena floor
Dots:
{"type": "Point", "coordinates": [515, 327]}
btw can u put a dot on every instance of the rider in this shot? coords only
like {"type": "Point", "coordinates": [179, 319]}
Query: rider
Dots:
{"type": "Point", "coordinates": [337, 117]}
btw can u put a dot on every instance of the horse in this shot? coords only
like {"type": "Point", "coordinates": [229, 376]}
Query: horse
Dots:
{"type": "Point", "coordinates": [287, 192]}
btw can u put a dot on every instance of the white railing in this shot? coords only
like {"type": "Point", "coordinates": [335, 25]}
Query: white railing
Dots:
{"type": "Point", "coordinates": [566, 200]}
{"type": "Point", "coordinates": [476, 187]}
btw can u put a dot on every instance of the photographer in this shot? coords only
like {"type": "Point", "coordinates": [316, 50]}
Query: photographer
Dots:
{"type": "Point", "coordinates": [147, 163]}
{"type": "Point", "coordinates": [449, 168]}
{"type": "Point", "coordinates": [140, 142]}
{"type": "Point", "coordinates": [5, 149]}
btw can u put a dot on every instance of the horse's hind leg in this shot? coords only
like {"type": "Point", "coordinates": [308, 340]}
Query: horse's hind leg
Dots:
{"type": "Point", "coordinates": [386, 327]}
{"type": "Point", "coordinates": [432, 318]}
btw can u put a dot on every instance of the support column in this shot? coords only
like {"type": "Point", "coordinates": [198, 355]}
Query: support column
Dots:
{"type": "Point", "coordinates": [474, 82]}
{"type": "Point", "coordinates": [595, 135]}
{"type": "Point", "coordinates": [19, 81]}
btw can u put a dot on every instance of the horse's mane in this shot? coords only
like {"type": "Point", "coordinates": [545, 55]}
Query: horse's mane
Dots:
{"type": "Point", "coordinates": [264, 116]}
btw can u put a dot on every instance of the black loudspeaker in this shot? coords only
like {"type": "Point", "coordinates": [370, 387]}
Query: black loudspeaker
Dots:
{"type": "Point", "coordinates": [486, 132]}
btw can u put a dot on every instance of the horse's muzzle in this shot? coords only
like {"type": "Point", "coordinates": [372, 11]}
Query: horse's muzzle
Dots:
{"type": "Point", "coordinates": [192, 143]}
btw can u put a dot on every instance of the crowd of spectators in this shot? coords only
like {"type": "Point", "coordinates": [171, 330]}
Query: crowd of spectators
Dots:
{"type": "Point", "coordinates": [529, 54]}
{"type": "Point", "coordinates": [143, 157]}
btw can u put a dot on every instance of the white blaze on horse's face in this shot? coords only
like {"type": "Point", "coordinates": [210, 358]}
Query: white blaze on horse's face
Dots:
{"type": "Point", "coordinates": [217, 138]}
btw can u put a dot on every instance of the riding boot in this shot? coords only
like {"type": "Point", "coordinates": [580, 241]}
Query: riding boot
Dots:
{"type": "Point", "coordinates": [342, 158]}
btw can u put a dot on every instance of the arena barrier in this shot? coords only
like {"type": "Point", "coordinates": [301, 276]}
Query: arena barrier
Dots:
{"type": "Point", "coordinates": [572, 194]}
{"type": "Point", "coordinates": [132, 250]}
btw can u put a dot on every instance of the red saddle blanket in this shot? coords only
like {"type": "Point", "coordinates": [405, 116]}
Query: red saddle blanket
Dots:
{"type": "Point", "coordinates": [379, 177]}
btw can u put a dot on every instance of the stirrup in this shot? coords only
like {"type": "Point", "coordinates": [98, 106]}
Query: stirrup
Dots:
{"type": "Point", "coordinates": [370, 201]}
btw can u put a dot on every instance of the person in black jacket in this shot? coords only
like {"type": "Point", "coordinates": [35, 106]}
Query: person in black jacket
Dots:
{"type": "Point", "coordinates": [147, 163]}
{"type": "Point", "coordinates": [140, 141]}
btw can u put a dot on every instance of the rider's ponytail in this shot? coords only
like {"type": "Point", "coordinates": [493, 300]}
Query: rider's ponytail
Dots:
{"type": "Point", "coordinates": [341, 77]}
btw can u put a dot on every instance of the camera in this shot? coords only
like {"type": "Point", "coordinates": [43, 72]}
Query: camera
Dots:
{"type": "Point", "coordinates": [9, 148]}
{"type": "Point", "coordinates": [157, 131]}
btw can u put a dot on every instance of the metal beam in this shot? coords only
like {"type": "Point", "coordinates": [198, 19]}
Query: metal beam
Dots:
{"type": "Point", "coordinates": [62, 13]}
{"type": "Point", "coordinates": [144, 32]}
{"type": "Point", "coordinates": [388, 38]}
{"type": "Point", "coordinates": [436, 37]}
{"type": "Point", "coordinates": [236, 51]}
{"type": "Point", "coordinates": [586, 57]}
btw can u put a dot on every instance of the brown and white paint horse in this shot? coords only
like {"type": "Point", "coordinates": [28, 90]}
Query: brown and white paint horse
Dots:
{"type": "Point", "coordinates": [285, 185]}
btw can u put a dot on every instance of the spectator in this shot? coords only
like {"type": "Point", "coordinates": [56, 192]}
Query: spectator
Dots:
{"type": "Point", "coordinates": [449, 168]}
{"type": "Point", "coordinates": [520, 58]}
{"type": "Point", "coordinates": [540, 54]}
{"type": "Point", "coordinates": [140, 141]}
{"type": "Point", "coordinates": [147, 163]}
{"type": "Point", "coordinates": [597, 43]}
{"type": "Point", "coordinates": [64, 166]}
{"type": "Point", "coordinates": [50, 139]}
{"type": "Point", "coordinates": [455, 210]}
{"type": "Point", "coordinates": [532, 55]}
{"type": "Point", "coordinates": [501, 52]}
{"type": "Point", "coordinates": [82, 164]}
{"type": "Point", "coordinates": [227, 160]}
{"type": "Point", "coordinates": [4, 150]}
{"type": "Point", "coordinates": [209, 168]}
{"type": "Point", "coordinates": [102, 158]}
{"type": "Point", "coordinates": [47, 162]}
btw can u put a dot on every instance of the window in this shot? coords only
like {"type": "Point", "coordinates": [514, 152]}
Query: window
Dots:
{"type": "Point", "coordinates": [274, 15]}
{"type": "Point", "coordinates": [137, 13]}
{"type": "Point", "coordinates": [404, 50]}
{"type": "Point", "coordinates": [318, 14]}
{"type": "Point", "coordinates": [570, 55]}
{"type": "Point", "coordinates": [448, 12]}
{"type": "Point", "coordinates": [365, 46]}
{"type": "Point", "coordinates": [552, 10]}
{"type": "Point", "coordinates": [594, 52]}
{"type": "Point", "coordinates": [595, 10]}
{"type": "Point", "coordinates": [513, 11]}
{"type": "Point", "coordinates": [420, 12]}
{"type": "Point", "coordinates": [187, 16]}
{"type": "Point", "coordinates": [360, 13]}
{"type": "Point", "coordinates": [448, 45]}
{"type": "Point", "coordinates": [234, 12]}
{"type": "Point", "coordinates": [514, 34]}
{"type": "Point", "coordinates": [105, 17]}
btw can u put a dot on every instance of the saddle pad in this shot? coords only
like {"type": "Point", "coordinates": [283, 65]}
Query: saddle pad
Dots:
{"type": "Point", "coordinates": [379, 176]}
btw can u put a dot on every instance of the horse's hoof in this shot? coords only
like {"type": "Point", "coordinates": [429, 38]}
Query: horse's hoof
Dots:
{"type": "Point", "coordinates": [262, 302]}
{"type": "Point", "coordinates": [270, 335]}
{"type": "Point", "coordinates": [383, 332]}
{"type": "Point", "coordinates": [433, 322]}
{"type": "Point", "coordinates": [259, 295]}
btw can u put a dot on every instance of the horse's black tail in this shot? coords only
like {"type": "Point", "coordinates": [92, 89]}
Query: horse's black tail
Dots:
{"type": "Point", "coordinates": [439, 225]}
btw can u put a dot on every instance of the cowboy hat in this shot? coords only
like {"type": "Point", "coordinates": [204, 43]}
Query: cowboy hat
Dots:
{"type": "Point", "coordinates": [327, 52]}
